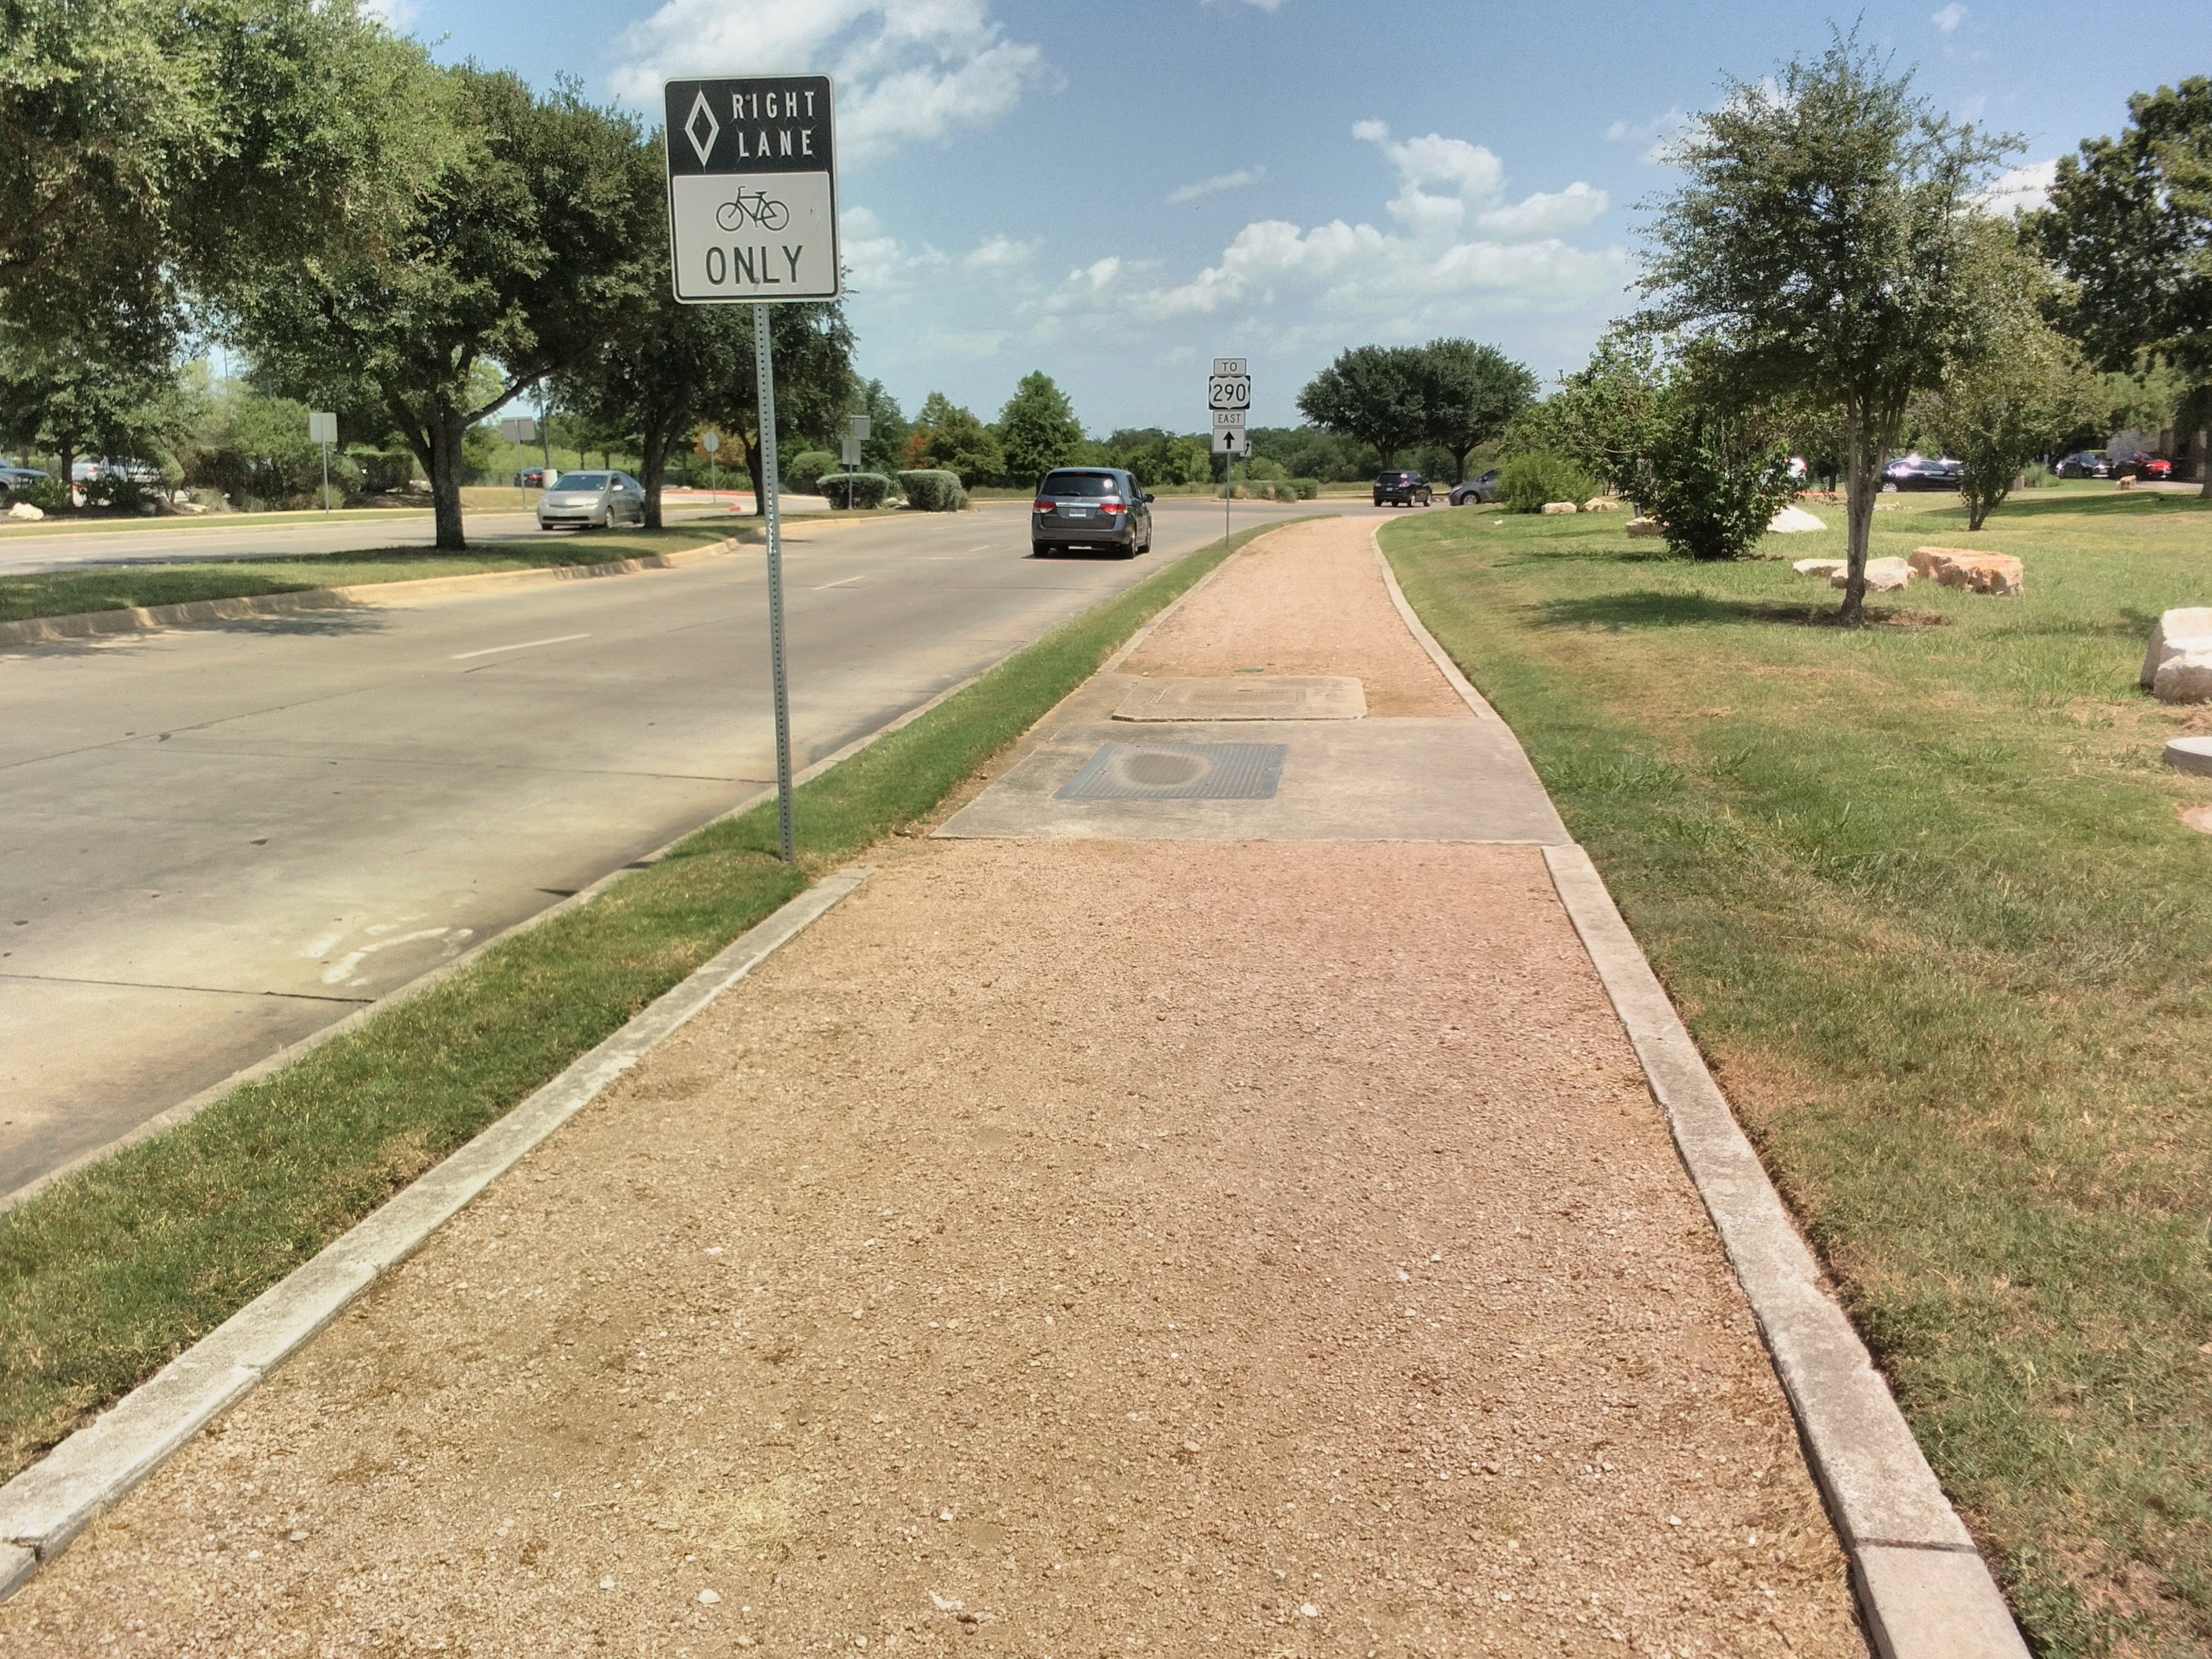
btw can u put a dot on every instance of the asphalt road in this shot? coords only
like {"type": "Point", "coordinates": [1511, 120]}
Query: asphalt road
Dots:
{"type": "Point", "coordinates": [188, 541]}
{"type": "Point", "coordinates": [219, 840]}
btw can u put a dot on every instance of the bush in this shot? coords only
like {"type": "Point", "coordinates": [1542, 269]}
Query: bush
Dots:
{"type": "Point", "coordinates": [931, 491]}
{"type": "Point", "coordinates": [47, 494]}
{"type": "Point", "coordinates": [867, 488]}
{"type": "Point", "coordinates": [1305, 490]}
{"type": "Point", "coordinates": [384, 470]}
{"type": "Point", "coordinates": [1714, 484]}
{"type": "Point", "coordinates": [112, 489]}
{"type": "Point", "coordinates": [2034, 476]}
{"type": "Point", "coordinates": [1260, 469]}
{"type": "Point", "coordinates": [1526, 482]}
{"type": "Point", "coordinates": [803, 472]}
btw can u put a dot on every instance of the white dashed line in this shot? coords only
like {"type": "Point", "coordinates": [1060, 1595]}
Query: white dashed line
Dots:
{"type": "Point", "coordinates": [494, 650]}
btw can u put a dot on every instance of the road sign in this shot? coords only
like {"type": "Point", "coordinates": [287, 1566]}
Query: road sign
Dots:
{"type": "Point", "coordinates": [1231, 441]}
{"type": "Point", "coordinates": [322, 429]}
{"type": "Point", "coordinates": [752, 189]}
{"type": "Point", "coordinates": [517, 429]}
{"type": "Point", "coordinates": [859, 425]}
{"type": "Point", "coordinates": [1228, 394]}
{"type": "Point", "coordinates": [851, 457]}
{"type": "Point", "coordinates": [711, 442]}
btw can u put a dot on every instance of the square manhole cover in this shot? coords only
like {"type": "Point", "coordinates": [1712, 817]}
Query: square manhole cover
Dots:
{"type": "Point", "coordinates": [1179, 771]}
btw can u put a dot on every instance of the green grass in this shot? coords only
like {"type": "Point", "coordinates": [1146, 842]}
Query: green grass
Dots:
{"type": "Point", "coordinates": [120, 587]}
{"type": "Point", "coordinates": [1924, 894]}
{"type": "Point", "coordinates": [107, 1275]}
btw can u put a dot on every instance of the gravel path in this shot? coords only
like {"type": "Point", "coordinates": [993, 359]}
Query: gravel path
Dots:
{"type": "Point", "coordinates": [1085, 1248]}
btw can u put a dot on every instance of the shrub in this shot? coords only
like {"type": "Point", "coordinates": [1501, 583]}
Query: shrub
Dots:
{"type": "Point", "coordinates": [47, 494]}
{"type": "Point", "coordinates": [932, 491]}
{"type": "Point", "coordinates": [2034, 476]}
{"type": "Point", "coordinates": [1304, 489]}
{"type": "Point", "coordinates": [1526, 482]}
{"type": "Point", "coordinates": [803, 471]}
{"type": "Point", "coordinates": [114, 490]}
{"type": "Point", "coordinates": [1260, 469]}
{"type": "Point", "coordinates": [384, 470]}
{"type": "Point", "coordinates": [1715, 483]}
{"type": "Point", "coordinates": [856, 490]}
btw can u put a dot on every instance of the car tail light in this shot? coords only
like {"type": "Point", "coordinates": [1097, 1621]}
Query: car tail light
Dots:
{"type": "Point", "coordinates": [1041, 507]}
{"type": "Point", "coordinates": [1112, 507]}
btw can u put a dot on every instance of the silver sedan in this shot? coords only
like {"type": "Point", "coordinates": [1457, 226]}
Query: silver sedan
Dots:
{"type": "Point", "coordinates": [600, 501]}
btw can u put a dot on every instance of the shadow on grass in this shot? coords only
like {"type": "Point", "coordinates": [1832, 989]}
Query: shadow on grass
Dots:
{"type": "Point", "coordinates": [2036, 505]}
{"type": "Point", "coordinates": [1647, 608]}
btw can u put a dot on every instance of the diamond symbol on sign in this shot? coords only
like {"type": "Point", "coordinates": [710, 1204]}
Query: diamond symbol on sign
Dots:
{"type": "Point", "coordinates": [701, 116]}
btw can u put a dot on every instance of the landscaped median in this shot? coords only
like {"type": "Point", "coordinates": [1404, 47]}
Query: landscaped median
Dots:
{"type": "Point", "coordinates": [1926, 897]}
{"type": "Point", "coordinates": [110, 1273]}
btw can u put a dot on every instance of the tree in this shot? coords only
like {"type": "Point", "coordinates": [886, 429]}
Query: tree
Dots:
{"type": "Point", "coordinates": [518, 245]}
{"type": "Point", "coordinates": [1470, 393]}
{"type": "Point", "coordinates": [814, 383]}
{"type": "Point", "coordinates": [660, 367]}
{"type": "Point", "coordinates": [2130, 225]}
{"type": "Point", "coordinates": [1037, 429]}
{"type": "Point", "coordinates": [107, 386]}
{"type": "Point", "coordinates": [950, 438]}
{"type": "Point", "coordinates": [883, 450]}
{"type": "Point", "coordinates": [1997, 413]}
{"type": "Point", "coordinates": [1819, 245]}
{"type": "Point", "coordinates": [1374, 394]}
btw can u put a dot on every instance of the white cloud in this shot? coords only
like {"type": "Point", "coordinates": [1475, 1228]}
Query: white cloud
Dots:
{"type": "Point", "coordinates": [1949, 18]}
{"type": "Point", "coordinates": [1543, 214]}
{"type": "Point", "coordinates": [2021, 190]}
{"type": "Point", "coordinates": [909, 72]}
{"type": "Point", "coordinates": [1000, 253]}
{"type": "Point", "coordinates": [1216, 184]}
{"type": "Point", "coordinates": [395, 15]}
{"type": "Point", "coordinates": [1656, 137]}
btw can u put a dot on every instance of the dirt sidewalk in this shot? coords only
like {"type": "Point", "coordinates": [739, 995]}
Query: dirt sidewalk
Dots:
{"type": "Point", "coordinates": [1083, 1247]}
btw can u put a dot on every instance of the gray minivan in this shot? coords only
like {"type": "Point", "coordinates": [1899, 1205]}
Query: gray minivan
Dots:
{"type": "Point", "coordinates": [1090, 507]}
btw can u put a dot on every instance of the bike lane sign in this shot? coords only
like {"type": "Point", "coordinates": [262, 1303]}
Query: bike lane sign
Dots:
{"type": "Point", "coordinates": [752, 189]}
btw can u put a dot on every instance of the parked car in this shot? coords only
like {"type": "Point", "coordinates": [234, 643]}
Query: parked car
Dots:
{"type": "Point", "coordinates": [2085, 464]}
{"type": "Point", "coordinates": [1402, 490]}
{"type": "Point", "coordinates": [538, 478]}
{"type": "Point", "coordinates": [89, 467]}
{"type": "Point", "coordinates": [1479, 491]}
{"type": "Point", "coordinates": [1923, 472]}
{"type": "Point", "coordinates": [2146, 466]}
{"type": "Point", "coordinates": [584, 501]}
{"type": "Point", "coordinates": [19, 477]}
{"type": "Point", "coordinates": [1090, 507]}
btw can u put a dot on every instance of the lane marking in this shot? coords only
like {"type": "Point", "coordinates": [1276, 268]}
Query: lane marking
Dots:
{"type": "Point", "coordinates": [494, 650]}
{"type": "Point", "coordinates": [847, 582]}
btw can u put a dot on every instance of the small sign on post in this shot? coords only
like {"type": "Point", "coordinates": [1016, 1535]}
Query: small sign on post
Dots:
{"type": "Point", "coordinates": [323, 429]}
{"type": "Point", "coordinates": [1229, 397]}
{"type": "Point", "coordinates": [520, 429]}
{"type": "Point", "coordinates": [752, 216]}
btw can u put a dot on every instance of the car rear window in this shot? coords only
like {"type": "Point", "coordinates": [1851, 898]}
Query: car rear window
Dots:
{"type": "Point", "coordinates": [583, 481]}
{"type": "Point", "coordinates": [1080, 483]}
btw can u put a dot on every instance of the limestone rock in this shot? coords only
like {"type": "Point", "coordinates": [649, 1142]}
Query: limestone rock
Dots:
{"type": "Point", "coordinates": [25, 511]}
{"type": "Point", "coordinates": [1983, 573]}
{"type": "Point", "coordinates": [1927, 561]}
{"type": "Point", "coordinates": [2186, 676]}
{"type": "Point", "coordinates": [1561, 507]}
{"type": "Point", "coordinates": [1793, 520]}
{"type": "Point", "coordinates": [1643, 527]}
{"type": "Point", "coordinates": [1882, 575]}
{"type": "Point", "coordinates": [2192, 625]}
{"type": "Point", "coordinates": [1818, 567]}
{"type": "Point", "coordinates": [1600, 504]}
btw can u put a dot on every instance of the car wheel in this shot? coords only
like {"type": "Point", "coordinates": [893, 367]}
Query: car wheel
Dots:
{"type": "Point", "coordinates": [1040, 550]}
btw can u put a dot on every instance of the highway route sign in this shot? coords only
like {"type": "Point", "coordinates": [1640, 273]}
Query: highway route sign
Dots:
{"type": "Point", "coordinates": [752, 189]}
{"type": "Point", "coordinates": [1228, 394]}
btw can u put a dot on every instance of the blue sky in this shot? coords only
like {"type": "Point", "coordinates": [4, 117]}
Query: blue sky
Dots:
{"type": "Point", "coordinates": [1117, 193]}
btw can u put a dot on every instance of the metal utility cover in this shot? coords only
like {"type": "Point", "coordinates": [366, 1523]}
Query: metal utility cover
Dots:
{"type": "Point", "coordinates": [1179, 771]}
{"type": "Point", "coordinates": [752, 189]}
{"type": "Point", "coordinates": [1271, 697]}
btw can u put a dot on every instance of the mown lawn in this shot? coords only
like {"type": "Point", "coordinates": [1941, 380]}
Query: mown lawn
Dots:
{"type": "Point", "coordinates": [106, 1276]}
{"type": "Point", "coordinates": [120, 587]}
{"type": "Point", "coordinates": [1924, 894]}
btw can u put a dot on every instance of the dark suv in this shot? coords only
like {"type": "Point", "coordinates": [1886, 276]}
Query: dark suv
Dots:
{"type": "Point", "coordinates": [1402, 490]}
{"type": "Point", "coordinates": [1090, 507]}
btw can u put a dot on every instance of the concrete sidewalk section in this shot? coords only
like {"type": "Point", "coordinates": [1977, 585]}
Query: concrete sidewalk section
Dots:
{"type": "Point", "coordinates": [1217, 1227]}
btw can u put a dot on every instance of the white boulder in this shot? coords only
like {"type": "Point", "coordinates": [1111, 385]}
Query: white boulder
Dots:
{"type": "Point", "coordinates": [1641, 526]}
{"type": "Point", "coordinates": [2192, 625]}
{"type": "Point", "coordinates": [1882, 575]}
{"type": "Point", "coordinates": [25, 511]}
{"type": "Point", "coordinates": [2186, 676]}
{"type": "Point", "coordinates": [1820, 567]}
{"type": "Point", "coordinates": [1600, 504]}
{"type": "Point", "coordinates": [1561, 507]}
{"type": "Point", "coordinates": [1794, 520]}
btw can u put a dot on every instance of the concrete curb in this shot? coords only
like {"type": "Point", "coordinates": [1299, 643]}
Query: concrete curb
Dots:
{"type": "Point", "coordinates": [1922, 1586]}
{"type": "Point", "coordinates": [102, 624]}
{"type": "Point", "coordinates": [1460, 683]}
{"type": "Point", "coordinates": [47, 1505]}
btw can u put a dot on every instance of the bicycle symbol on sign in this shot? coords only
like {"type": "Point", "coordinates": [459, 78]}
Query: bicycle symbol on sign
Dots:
{"type": "Point", "coordinates": [758, 207]}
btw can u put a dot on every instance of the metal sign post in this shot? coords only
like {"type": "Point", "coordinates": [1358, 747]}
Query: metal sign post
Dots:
{"type": "Point", "coordinates": [857, 428]}
{"type": "Point", "coordinates": [323, 429]}
{"type": "Point", "coordinates": [1229, 396]}
{"type": "Point", "coordinates": [752, 218]}
{"type": "Point", "coordinates": [713, 445]}
{"type": "Point", "coordinates": [520, 429]}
